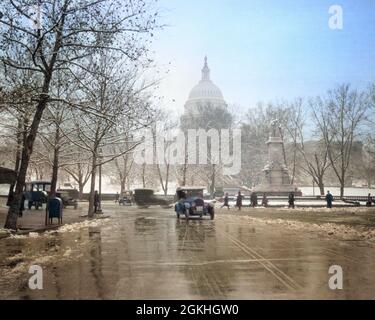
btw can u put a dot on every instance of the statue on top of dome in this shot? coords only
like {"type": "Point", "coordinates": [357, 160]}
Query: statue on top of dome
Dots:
{"type": "Point", "coordinates": [205, 71]}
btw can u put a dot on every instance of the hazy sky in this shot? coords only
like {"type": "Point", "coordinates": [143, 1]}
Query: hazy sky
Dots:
{"type": "Point", "coordinates": [264, 50]}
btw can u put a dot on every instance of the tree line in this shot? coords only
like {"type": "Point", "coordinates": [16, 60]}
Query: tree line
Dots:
{"type": "Point", "coordinates": [73, 85]}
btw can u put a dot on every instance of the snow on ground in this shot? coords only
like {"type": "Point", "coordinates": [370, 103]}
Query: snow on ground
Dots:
{"type": "Point", "coordinates": [79, 225]}
{"type": "Point", "coordinates": [342, 232]}
{"type": "Point", "coordinates": [347, 210]}
{"type": "Point", "coordinates": [14, 266]}
{"type": "Point", "coordinates": [73, 227]}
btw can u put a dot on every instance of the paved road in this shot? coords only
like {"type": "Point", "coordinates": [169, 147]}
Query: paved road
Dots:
{"type": "Point", "coordinates": [149, 254]}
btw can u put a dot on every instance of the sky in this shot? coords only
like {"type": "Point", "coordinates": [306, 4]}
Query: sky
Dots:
{"type": "Point", "coordinates": [263, 50]}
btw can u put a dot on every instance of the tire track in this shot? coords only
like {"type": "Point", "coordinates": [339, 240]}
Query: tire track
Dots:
{"type": "Point", "coordinates": [280, 275]}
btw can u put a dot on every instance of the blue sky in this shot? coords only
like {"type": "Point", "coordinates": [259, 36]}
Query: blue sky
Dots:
{"type": "Point", "coordinates": [264, 50]}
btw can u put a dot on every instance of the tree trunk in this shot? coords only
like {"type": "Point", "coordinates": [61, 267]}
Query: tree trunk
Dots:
{"type": "Point", "coordinates": [321, 188]}
{"type": "Point", "coordinates": [167, 180]}
{"type": "Point", "coordinates": [122, 186]}
{"type": "Point", "coordinates": [92, 187]}
{"type": "Point", "coordinates": [144, 176]}
{"type": "Point", "coordinates": [11, 220]}
{"type": "Point", "coordinates": [55, 167]}
{"type": "Point", "coordinates": [213, 182]}
{"type": "Point", "coordinates": [342, 187]}
{"type": "Point", "coordinates": [80, 190]}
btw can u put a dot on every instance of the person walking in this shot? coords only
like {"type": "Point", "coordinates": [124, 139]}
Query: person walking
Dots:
{"type": "Point", "coordinates": [117, 197]}
{"type": "Point", "coordinates": [254, 199]}
{"type": "Point", "coordinates": [265, 201]}
{"type": "Point", "coordinates": [329, 199]}
{"type": "Point", "coordinates": [369, 200]}
{"type": "Point", "coordinates": [239, 201]}
{"type": "Point", "coordinates": [291, 200]}
{"type": "Point", "coordinates": [96, 202]}
{"type": "Point", "coordinates": [226, 201]}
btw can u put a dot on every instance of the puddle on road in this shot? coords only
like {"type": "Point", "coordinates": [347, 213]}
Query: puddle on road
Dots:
{"type": "Point", "coordinates": [48, 249]}
{"type": "Point", "coordinates": [146, 255]}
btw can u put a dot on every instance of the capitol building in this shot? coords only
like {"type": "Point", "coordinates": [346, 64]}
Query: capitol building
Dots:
{"type": "Point", "coordinates": [204, 94]}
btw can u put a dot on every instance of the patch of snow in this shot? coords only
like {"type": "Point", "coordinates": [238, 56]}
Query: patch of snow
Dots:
{"type": "Point", "coordinates": [33, 235]}
{"type": "Point", "coordinates": [332, 229]}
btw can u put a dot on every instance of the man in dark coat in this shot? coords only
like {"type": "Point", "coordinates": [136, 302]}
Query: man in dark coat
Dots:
{"type": "Point", "coordinates": [254, 199]}
{"type": "Point", "coordinates": [226, 201]}
{"type": "Point", "coordinates": [264, 201]}
{"type": "Point", "coordinates": [291, 200]}
{"type": "Point", "coordinates": [239, 201]}
{"type": "Point", "coordinates": [329, 199]}
{"type": "Point", "coordinates": [369, 200]}
{"type": "Point", "coordinates": [96, 201]}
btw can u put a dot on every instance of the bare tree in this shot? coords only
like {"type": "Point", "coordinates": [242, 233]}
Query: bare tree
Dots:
{"type": "Point", "coordinates": [339, 117]}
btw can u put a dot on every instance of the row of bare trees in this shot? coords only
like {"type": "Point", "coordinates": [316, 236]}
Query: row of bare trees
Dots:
{"type": "Point", "coordinates": [72, 79]}
{"type": "Point", "coordinates": [328, 138]}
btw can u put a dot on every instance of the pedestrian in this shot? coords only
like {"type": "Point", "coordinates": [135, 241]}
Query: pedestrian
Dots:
{"type": "Point", "coordinates": [226, 201]}
{"type": "Point", "coordinates": [22, 206]}
{"type": "Point", "coordinates": [239, 201]}
{"type": "Point", "coordinates": [181, 197]}
{"type": "Point", "coordinates": [264, 201]}
{"type": "Point", "coordinates": [291, 200]}
{"type": "Point", "coordinates": [254, 199]}
{"type": "Point", "coordinates": [117, 197]}
{"type": "Point", "coordinates": [329, 199]}
{"type": "Point", "coordinates": [96, 202]}
{"type": "Point", "coordinates": [369, 200]}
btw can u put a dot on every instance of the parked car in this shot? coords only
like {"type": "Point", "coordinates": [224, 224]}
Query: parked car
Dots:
{"type": "Point", "coordinates": [67, 200]}
{"type": "Point", "coordinates": [36, 193]}
{"type": "Point", "coordinates": [145, 198]}
{"type": "Point", "coordinates": [125, 201]}
{"type": "Point", "coordinates": [190, 202]}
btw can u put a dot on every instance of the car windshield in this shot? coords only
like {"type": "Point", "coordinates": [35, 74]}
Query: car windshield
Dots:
{"type": "Point", "coordinates": [193, 193]}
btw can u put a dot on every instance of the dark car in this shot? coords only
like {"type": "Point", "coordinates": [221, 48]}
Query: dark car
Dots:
{"type": "Point", "coordinates": [67, 199]}
{"type": "Point", "coordinates": [125, 201]}
{"type": "Point", "coordinates": [145, 198]}
{"type": "Point", "coordinates": [191, 203]}
{"type": "Point", "coordinates": [36, 192]}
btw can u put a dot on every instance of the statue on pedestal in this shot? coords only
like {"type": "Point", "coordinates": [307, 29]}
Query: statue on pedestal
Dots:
{"type": "Point", "coordinates": [276, 179]}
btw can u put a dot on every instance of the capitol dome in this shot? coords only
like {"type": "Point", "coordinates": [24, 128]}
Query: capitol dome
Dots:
{"type": "Point", "coordinates": [205, 92]}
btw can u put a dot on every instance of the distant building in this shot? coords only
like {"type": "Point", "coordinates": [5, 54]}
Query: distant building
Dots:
{"type": "Point", "coordinates": [203, 94]}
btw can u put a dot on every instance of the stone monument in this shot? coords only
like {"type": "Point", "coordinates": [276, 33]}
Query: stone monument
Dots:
{"type": "Point", "coordinates": [276, 179]}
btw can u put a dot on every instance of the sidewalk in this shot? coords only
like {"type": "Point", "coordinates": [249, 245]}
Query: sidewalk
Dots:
{"type": "Point", "coordinates": [34, 220]}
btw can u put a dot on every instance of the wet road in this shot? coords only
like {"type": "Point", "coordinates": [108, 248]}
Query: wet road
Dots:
{"type": "Point", "coordinates": [149, 254]}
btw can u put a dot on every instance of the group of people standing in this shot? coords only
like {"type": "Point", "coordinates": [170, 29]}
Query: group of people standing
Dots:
{"type": "Point", "coordinates": [239, 199]}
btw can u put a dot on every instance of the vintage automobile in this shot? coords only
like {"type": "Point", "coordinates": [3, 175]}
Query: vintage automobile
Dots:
{"type": "Point", "coordinates": [67, 199]}
{"type": "Point", "coordinates": [190, 202]}
{"type": "Point", "coordinates": [36, 192]}
{"type": "Point", "coordinates": [145, 198]}
{"type": "Point", "coordinates": [125, 200]}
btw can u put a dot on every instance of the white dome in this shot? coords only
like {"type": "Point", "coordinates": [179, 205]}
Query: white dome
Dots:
{"type": "Point", "coordinates": [205, 91]}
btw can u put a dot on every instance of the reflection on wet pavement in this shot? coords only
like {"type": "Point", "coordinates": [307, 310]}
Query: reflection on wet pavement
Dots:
{"type": "Point", "coordinates": [149, 254]}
